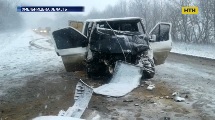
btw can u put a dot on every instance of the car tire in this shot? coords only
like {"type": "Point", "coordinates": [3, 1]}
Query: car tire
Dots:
{"type": "Point", "coordinates": [149, 75]}
{"type": "Point", "coordinates": [149, 68]}
{"type": "Point", "coordinates": [152, 68]}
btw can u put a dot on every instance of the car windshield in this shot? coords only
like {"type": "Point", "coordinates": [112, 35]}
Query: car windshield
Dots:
{"type": "Point", "coordinates": [122, 25]}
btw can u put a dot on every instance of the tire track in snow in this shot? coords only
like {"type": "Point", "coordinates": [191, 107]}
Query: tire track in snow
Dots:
{"type": "Point", "coordinates": [33, 43]}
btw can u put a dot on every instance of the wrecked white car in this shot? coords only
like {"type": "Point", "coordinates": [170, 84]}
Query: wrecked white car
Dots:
{"type": "Point", "coordinates": [102, 42]}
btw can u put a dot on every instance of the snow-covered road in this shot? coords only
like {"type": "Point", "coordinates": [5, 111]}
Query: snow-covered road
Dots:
{"type": "Point", "coordinates": [19, 58]}
{"type": "Point", "coordinates": [188, 75]}
{"type": "Point", "coordinates": [193, 75]}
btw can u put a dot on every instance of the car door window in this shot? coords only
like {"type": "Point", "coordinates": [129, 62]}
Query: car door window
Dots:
{"type": "Point", "coordinates": [69, 38]}
{"type": "Point", "coordinates": [162, 32]}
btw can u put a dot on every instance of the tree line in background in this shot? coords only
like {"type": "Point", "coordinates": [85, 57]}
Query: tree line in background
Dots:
{"type": "Point", "coordinates": [9, 17]}
{"type": "Point", "coordinates": [186, 28]}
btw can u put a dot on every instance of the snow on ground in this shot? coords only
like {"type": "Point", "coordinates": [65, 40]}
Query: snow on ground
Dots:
{"type": "Point", "coordinates": [206, 51]}
{"type": "Point", "coordinates": [44, 43]}
{"type": "Point", "coordinates": [19, 59]}
{"type": "Point", "coordinates": [197, 80]}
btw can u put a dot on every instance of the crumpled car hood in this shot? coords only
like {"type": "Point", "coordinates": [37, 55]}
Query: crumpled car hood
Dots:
{"type": "Point", "coordinates": [106, 41]}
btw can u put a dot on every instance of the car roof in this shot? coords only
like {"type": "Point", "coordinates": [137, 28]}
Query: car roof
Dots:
{"type": "Point", "coordinates": [114, 19]}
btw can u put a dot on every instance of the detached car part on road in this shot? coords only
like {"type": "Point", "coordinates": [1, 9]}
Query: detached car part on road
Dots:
{"type": "Point", "coordinates": [105, 41]}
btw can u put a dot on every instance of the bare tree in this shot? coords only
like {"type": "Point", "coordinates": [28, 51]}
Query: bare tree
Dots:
{"type": "Point", "coordinates": [141, 8]}
{"type": "Point", "coordinates": [186, 28]}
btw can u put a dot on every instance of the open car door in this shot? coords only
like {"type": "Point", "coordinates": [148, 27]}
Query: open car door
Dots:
{"type": "Point", "coordinates": [162, 43]}
{"type": "Point", "coordinates": [70, 44]}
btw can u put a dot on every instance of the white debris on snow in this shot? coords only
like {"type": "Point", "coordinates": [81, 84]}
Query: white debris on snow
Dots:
{"type": "Point", "coordinates": [61, 113]}
{"type": "Point", "coordinates": [82, 98]}
{"type": "Point", "coordinates": [206, 51]}
{"type": "Point", "coordinates": [84, 93]}
{"type": "Point", "coordinates": [174, 94]}
{"type": "Point", "coordinates": [56, 118]}
{"type": "Point", "coordinates": [177, 97]}
{"type": "Point", "coordinates": [136, 104]}
{"type": "Point", "coordinates": [150, 87]}
{"type": "Point", "coordinates": [126, 77]}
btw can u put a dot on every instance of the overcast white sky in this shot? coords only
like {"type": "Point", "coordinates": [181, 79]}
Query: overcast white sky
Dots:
{"type": "Point", "coordinates": [88, 4]}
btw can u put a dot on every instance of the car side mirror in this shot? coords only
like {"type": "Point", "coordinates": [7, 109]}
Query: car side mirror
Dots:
{"type": "Point", "coordinates": [153, 38]}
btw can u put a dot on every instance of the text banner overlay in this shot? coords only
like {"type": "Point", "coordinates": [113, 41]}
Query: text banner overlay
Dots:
{"type": "Point", "coordinates": [50, 9]}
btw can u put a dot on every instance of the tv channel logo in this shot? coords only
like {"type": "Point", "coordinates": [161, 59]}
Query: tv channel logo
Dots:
{"type": "Point", "coordinates": [191, 10]}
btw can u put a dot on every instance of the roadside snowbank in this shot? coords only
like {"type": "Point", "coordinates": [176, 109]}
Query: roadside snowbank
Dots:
{"type": "Point", "coordinates": [206, 51]}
